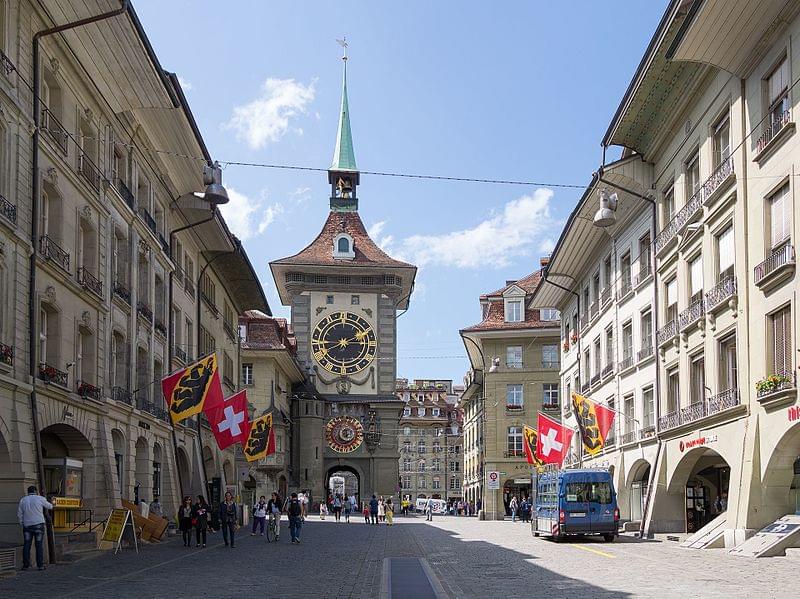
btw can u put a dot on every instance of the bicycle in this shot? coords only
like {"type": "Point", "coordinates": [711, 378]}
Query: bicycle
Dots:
{"type": "Point", "coordinates": [273, 531]}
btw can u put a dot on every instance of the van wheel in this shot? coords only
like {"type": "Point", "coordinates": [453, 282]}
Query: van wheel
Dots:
{"type": "Point", "coordinates": [536, 534]}
{"type": "Point", "coordinates": [609, 538]}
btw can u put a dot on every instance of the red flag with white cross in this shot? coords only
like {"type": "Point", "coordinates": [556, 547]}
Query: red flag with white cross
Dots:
{"type": "Point", "coordinates": [229, 421]}
{"type": "Point", "coordinates": [553, 441]}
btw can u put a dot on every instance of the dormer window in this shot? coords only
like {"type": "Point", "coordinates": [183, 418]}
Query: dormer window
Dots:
{"type": "Point", "coordinates": [513, 310]}
{"type": "Point", "coordinates": [343, 247]}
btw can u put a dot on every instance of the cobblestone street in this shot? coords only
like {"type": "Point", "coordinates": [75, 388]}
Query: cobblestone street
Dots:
{"type": "Point", "coordinates": [469, 558]}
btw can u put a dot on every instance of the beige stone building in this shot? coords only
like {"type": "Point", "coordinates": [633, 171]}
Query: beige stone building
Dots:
{"type": "Point", "coordinates": [514, 364]}
{"type": "Point", "coordinates": [93, 219]}
{"type": "Point", "coordinates": [709, 120]}
{"type": "Point", "coordinates": [430, 440]}
{"type": "Point", "coordinates": [270, 370]}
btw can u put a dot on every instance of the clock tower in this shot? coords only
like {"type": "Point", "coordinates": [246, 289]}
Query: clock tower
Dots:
{"type": "Point", "coordinates": [345, 293]}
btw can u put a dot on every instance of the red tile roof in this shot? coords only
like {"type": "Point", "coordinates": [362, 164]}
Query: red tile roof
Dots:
{"type": "Point", "coordinates": [495, 319]}
{"type": "Point", "coordinates": [266, 332]}
{"type": "Point", "coordinates": [320, 251]}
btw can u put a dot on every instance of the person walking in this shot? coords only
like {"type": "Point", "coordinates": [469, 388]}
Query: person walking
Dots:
{"type": "Point", "coordinates": [429, 510]}
{"type": "Point", "coordinates": [348, 508]}
{"type": "Point", "coordinates": [228, 516]}
{"type": "Point", "coordinates": [259, 516]}
{"type": "Point", "coordinates": [366, 513]}
{"type": "Point", "coordinates": [200, 513]}
{"type": "Point", "coordinates": [295, 510]}
{"type": "Point", "coordinates": [513, 506]}
{"type": "Point", "coordinates": [185, 521]}
{"type": "Point", "coordinates": [155, 507]}
{"type": "Point", "coordinates": [274, 509]}
{"type": "Point", "coordinates": [373, 510]}
{"type": "Point", "coordinates": [381, 510]}
{"type": "Point", "coordinates": [389, 511]}
{"type": "Point", "coordinates": [323, 510]}
{"type": "Point", "coordinates": [337, 507]}
{"type": "Point", "coordinates": [31, 516]}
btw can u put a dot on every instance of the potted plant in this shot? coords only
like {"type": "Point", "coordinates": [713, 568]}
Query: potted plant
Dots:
{"type": "Point", "coordinates": [574, 336]}
{"type": "Point", "coordinates": [566, 345]}
{"type": "Point", "coordinates": [771, 383]}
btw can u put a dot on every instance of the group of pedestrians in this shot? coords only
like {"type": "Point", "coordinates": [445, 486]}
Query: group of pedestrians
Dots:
{"type": "Point", "coordinates": [379, 510]}
{"type": "Point", "coordinates": [339, 505]}
{"type": "Point", "coordinates": [520, 508]}
{"type": "Point", "coordinates": [196, 517]}
{"type": "Point", "coordinates": [464, 508]}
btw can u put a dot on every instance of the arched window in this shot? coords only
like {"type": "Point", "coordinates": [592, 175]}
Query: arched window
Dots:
{"type": "Point", "coordinates": [343, 247]}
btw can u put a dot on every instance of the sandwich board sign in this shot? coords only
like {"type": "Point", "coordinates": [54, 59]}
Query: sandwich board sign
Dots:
{"type": "Point", "coordinates": [119, 521]}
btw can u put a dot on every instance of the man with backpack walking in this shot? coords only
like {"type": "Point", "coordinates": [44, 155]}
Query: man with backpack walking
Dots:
{"type": "Point", "coordinates": [295, 510]}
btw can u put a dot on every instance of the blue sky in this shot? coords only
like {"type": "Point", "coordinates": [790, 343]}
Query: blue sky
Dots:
{"type": "Point", "coordinates": [512, 90]}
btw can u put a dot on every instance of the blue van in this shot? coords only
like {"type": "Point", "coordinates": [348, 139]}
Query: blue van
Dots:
{"type": "Point", "coordinates": [574, 502]}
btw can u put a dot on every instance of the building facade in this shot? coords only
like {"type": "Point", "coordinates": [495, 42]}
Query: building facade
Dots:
{"type": "Point", "coordinates": [86, 250]}
{"type": "Point", "coordinates": [269, 372]}
{"type": "Point", "coordinates": [344, 293]}
{"type": "Point", "coordinates": [709, 114]}
{"type": "Point", "coordinates": [514, 364]}
{"type": "Point", "coordinates": [430, 440]}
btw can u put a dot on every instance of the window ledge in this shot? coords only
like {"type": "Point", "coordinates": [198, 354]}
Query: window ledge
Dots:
{"type": "Point", "coordinates": [779, 398]}
{"type": "Point", "coordinates": [775, 143]}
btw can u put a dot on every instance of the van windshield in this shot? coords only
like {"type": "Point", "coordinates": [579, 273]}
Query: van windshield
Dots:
{"type": "Point", "coordinates": [598, 492]}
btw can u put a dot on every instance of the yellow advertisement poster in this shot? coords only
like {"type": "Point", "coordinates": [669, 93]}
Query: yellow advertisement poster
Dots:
{"type": "Point", "coordinates": [115, 525]}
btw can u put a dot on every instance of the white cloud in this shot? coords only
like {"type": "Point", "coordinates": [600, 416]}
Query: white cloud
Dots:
{"type": "Point", "coordinates": [547, 245]}
{"type": "Point", "coordinates": [267, 118]}
{"type": "Point", "coordinates": [185, 84]}
{"type": "Point", "coordinates": [375, 232]}
{"type": "Point", "coordinates": [492, 243]}
{"type": "Point", "coordinates": [248, 217]}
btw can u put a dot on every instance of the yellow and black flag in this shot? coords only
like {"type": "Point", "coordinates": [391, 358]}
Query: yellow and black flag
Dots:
{"type": "Point", "coordinates": [529, 434]}
{"type": "Point", "coordinates": [594, 422]}
{"type": "Point", "coordinates": [196, 387]}
{"type": "Point", "coordinates": [261, 440]}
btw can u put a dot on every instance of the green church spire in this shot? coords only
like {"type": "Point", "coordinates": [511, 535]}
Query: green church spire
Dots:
{"type": "Point", "coordinates": [344, 158]}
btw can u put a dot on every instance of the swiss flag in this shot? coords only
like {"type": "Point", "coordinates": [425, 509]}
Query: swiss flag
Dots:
{"type": "Point", "coordinates": [229, 421]}
{"type": "Point", "coordinates": [553, 440]}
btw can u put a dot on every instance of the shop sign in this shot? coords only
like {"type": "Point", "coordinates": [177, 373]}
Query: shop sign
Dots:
{"type": "Point", "coordinates": [67, 502]}
{"type": "Point", "coordinates": [700, 441]}
{"type": "Point", "coordinates": [794, 413]}
{"type": "Point", "coordinates": [522, 481]}
{"type": "Point", "coordinates": [493, 478]}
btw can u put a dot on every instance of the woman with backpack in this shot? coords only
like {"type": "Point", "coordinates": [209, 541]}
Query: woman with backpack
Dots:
{"type": "Point", "coordinates": [185, 521]}
{"type": "Point", "coordinates": [228, 516]}
{"type": "Point", "coordinates": [200, 519]}
{"type": "Point", "coordinates": [295, 510]}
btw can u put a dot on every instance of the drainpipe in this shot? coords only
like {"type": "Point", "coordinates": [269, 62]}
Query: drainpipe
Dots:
{"type": "Point", "coordinates": [199, 314]}
{"type": "Point", "coordinates": [36, 192]}
{"type": "Point", "coordinates": [655, 313]}
{"type": "Point", "coordinates": [171, 328]}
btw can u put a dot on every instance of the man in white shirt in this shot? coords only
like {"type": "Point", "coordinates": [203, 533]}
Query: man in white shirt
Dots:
{"type": "Point", "coordinates": [30, 514]}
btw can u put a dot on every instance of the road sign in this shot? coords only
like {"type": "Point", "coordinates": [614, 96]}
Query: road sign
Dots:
{"type": "Point", "coordinates": [493, 478]}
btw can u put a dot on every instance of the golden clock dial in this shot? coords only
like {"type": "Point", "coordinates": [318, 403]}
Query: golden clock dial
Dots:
{"type": "Point", "coordinates": [343, 343]}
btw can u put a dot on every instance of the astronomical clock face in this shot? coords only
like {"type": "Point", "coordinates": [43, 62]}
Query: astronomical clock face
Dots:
{"type": "Point", "coordinates": [343, 343]}
{"type": "Point", "coordinates": [344, 434]}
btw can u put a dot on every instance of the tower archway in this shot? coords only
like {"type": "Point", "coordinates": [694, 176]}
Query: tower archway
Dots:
{"type": "Point", "coordinates": [343, 480]}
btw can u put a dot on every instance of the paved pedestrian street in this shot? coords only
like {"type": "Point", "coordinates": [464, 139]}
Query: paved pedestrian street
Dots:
{"type": "Point", "coordinates": [468, 558]}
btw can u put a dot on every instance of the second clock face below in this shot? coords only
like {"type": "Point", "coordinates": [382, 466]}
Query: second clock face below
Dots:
{"type": "Point", "coordinates": [343, 343]}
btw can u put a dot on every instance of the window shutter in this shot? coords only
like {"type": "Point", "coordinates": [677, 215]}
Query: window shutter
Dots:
{"type": "Point", "coordinates": [778, 81]}
{"type": "Point", "coordinates": [782, 350]}
{"type": "Point", "coordinates": [780, 218]}
{"type": "Point", "coordinates": [726, 249]}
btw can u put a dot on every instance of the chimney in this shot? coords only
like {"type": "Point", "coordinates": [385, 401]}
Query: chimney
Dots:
{"type": "Point", "coordinates": [511, 282]}
{"type": "Point", "coordinates": [544, 260]}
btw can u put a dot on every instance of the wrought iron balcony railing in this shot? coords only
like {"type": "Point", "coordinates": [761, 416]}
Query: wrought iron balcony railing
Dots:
{"type": "Point", "coordinates": [89, 171]}
{"type": "Point", "coordinates": [161, 328]}
{"type": "Point", "coordinates": [647, 349]}
{"type": "Point", "coordinates": [121, 394]}
{"type": "Point", "coordinates": [716, 179]}
{"type": "Point", "coordinates": [179, 353]}
{"type": "Point", "coordinates": [126, 193]}
{"type": "Point", "coordinates": [54, 129]}
{"type": "Point", "coordinates": [626, 286]}
{"type": "Point", "coordinates": [145, 311]}
{"type": "Point", "coordinates": [164, 244]}
{"type": "Point", "coordinates": [89, 282]}
{"type": "Point", "coordinates": [644, 269]}
{"type": "Point", "coordinates": [594, 309]}
{"type": "Point", "coordinates": [667, 332]}
{"type": "Point", "coordinates": [122, 292]}
{"type": "Point", "coordinates": [720, 293]}
{"type": "Point", "coordinates": [701, 409]}
{"type": "Point", "coordinates": [8, 210]}
{"type": "Point", "coordinates": [229, 331]}
{"type": "Point", "coordinates": [629, 437]}
{"type": "Point", "coordinates": [549, 364]}
{"type": "Point", "coordinates": [723, 401]}
{"type": "Point", "coordinates": [608, 370]}
{"type": "Point", "coordinates": [780, 259]}
{"type": "Point", "coordinates": [774, 126]}
{"type": "Point", "coordinates": [188, 286]}
{"type": "Point", "coordinates": [212, 306]}
{"type": "Point", "coordinates": [691, 315]}
{"type": "Point", "coordinates": [51, 374]}
{"type": "Point", "coordinates": [85, 389]}
{"type": "Point", "coordinates": [595, 380]}
{"type": "Point", "coordinates": [6, 354]}
{"type": "Point", "coordinates": [605, 296]}
{"type": "Point", "coordinates": [52, 251]}
{"type": "Point", "coordinates": [148, 219]}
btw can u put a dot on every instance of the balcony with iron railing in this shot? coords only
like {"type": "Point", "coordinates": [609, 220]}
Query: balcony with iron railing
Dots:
{"type": "Point", "coordinates": [89, 172]}
{"type": "Point", "coordinates": [595, 380]}
{"type": "Point", "coordinates": [126, 193]}
{"type": "Point", "coordinates": [209, 302]}
{"type": "Point", "coordinates": [625, 286]}
{"type": "Point", "coordinates": [594, 309]}
{"type": "Point", "coordinates": [6, 354]}
{"type": "Point", "coordinates": [54, 129]}
{"type": "Point", "coordinates": [605, 296]}
{"type": "Point", "coordinates": [52, 375]}
{"type": "Point", "coordinates": [89, 282]}
{"type": "Point", "coordinates": [179, 353]}
{"type": "Point", "coordinates": [121, 394]}
{"type": "Point", "coordinates": [228, 328]}
{"type": "Point", "coordinates": [122, 292]}
{"type": "Point", "coordinates": [608, 370]}
{"type": "Point", "coordinates": [627, 360]}
{"type": "Point", "coordinates": [145, 311]}
{"type": "Point", "coordinates": [644, 270]}
{"type": "Point", "coordinates": [226, 380]}
{"type": "Point", "coordinates": [8, 210]}
{"type": "Point", "coordinates": [85, 389]}
{"type": "Point", "coordinates": [667, 333]}
{"type": "Point", "coordinates": [629, 437]}
{"type": "Point", "coordinates": [646, 351]}
{"type": "Point", "coordinates": [720, 294]}
{"type": "Point", "coordinates": [160, 327]}
{"type": "Point", "coordinates": [148, 219]}
{"type": "Point", "coordinates": [50, 250]}
{"type": "Point", "coordinates": [773, 129]}
{"type": "Point", "coordinates": [699, 410]}
{"type": "Point", "coordinates": [550, 364]}
{"type": "Point", "coordinates": [691, 315]}
{"type": "Point", "coordinates": [188, 286]}
{"type": "Point", "coordinates": [723, 401]}
{"type": "Point", "coordinates": [163, 243]}
{"type": "Point", "coordinates": [778, 267]}
{"type": "Point", "coordinates": [647, 432]}
{"type": "Point", "coordinates": [716, 181]}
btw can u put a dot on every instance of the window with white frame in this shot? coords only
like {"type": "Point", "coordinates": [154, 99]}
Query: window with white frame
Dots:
{"type": "Point", "coordinates": [780, 218]}
{"type": "Point", "coordinates": [437, 484]}
{"type": "Point", "coordinates": [436, 411]}
{"type": "Point", "coordinates": [721, 140]}
{"type": "Point", "coordinates": [550, 356]}
{"type": "Point", "coordinates": [728, 375]}
{"type": "Point", "coordinates": [698, 378]}
{"type": "Point", "coordinates": [406, 411]}
{"type": "Point", "coordinates": [673, 390]}
{"type": "Point", "coordinates": [725, 253]}
{"type": "Point", "coordinates": [648, 418]}
{"type": "Point", "coordinates": [696, 279]}
{"type": "Point", "coordinates": [609, 345]}
{"type": "Point", "coordinates": [406, 482]}
{"type": "Point", "coordinates": [406, 464]}
{"type": "Point", "coordinates": [777, 88]}
{"type": "Point", "coordinates": [550, 395]}
{"type": "Point", "coordinates": [247, 374]}
{"type": "Point", "coordinates": [513, 310]}
{"type": "Point", "coordinates": [455, 483]}
{"type": "Point", "coordinates": [691, 173]}
{"type": "Point", "coordinates": [514, 397]}
{"type": "Point", "coordinates": [514, 440]}
{"type": "Point", "coordinates": [549, 314]}
{"type": "Point", "coordinates": [672, 300]}
{"type": "Point", "coordinates": [628, 412]}
{"type": "Point", "coordinates": [646, 329]}
{"type": "Point", "coordinates": [668, 205]}
{"type": "Point", "coordinates": [514, 356]}
{"type": "Point", "coordinates": [420, 411]}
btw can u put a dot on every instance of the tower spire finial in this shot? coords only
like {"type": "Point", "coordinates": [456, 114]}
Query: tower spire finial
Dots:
{"type": "Point", "coordinates": [343, 172]}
